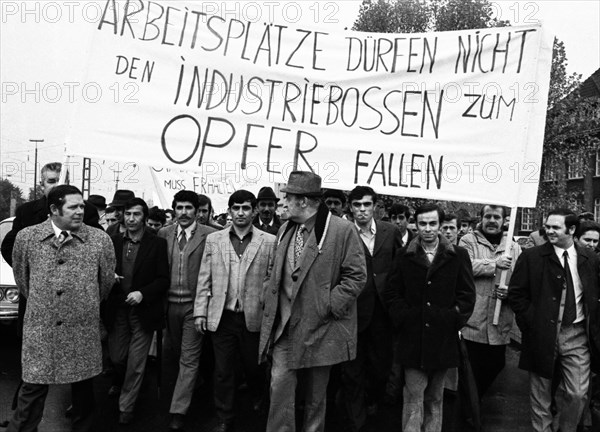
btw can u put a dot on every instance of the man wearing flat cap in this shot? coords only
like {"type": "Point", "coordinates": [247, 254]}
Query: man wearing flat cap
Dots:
{"type": "Point", "coordinates": [309, 321]}
{"type": "Point", "coordinates": [266, 220]}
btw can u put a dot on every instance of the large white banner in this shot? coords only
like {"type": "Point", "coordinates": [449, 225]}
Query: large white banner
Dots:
{"type": "Point", "coordinates": [452, 115]}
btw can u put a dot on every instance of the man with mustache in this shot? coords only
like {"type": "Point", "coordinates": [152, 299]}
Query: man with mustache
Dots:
{"type": "Point", "coordinates": [266, 220]}
{"type": "Point", "coordinates": [185, 246]}
{"type": "Point", "coordinates": [486, 342]}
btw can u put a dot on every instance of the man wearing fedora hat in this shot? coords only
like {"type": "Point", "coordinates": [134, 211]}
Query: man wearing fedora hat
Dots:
{"type": "Point", "coordinates": [266, 220]}
{"type": "Point", "coordinates": [118, 203]}
{"type": "Point", "coordinates": [99, 202]}
{"type": "Point", "coordinates": [309, 320]}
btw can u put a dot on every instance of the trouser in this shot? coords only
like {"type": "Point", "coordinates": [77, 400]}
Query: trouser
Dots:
{"type": "Point", "coordinates": [30, 407]}
{"type": "Point", "coordinates": [283, 393]}
{"type": "Point", "coordinates": [487, 361]}
{"type": "Point", "coordinates": [128, 344]}
{"type": "Point", "coordinates": [187, 344]}
{"type": "Point", "coordinates": [233, 341]}
{"type": "Point", "coordinates": [423, 400]}
{"type": "Point", "coordinates": [364, 378]}
{"type": "Point", "coordinates": [573, 359]}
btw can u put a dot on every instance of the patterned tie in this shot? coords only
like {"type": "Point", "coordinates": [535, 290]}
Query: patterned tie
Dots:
{"type": "Point", "coordinates": [299, 246]}
{"type": "Point", "coordinates": [570, 311]}
{"type": "Point", "coordinates": [182, 240]}
{"type": "Point", "coordinates": [58, 241]}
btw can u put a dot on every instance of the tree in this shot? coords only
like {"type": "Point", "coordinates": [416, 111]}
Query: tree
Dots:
{"type": "Point", "coordinates": [39, 191]}
{"type": "Point", "coordinates": [9, 191]}
{"type": "Point", "coordinates": [572, 138]}
{"type": "Point", "coordinates": [418, 16]}
{"type": "Point", "coordinates": [573, 122]}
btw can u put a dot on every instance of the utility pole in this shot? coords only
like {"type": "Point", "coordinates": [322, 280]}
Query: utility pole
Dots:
{"type": "Point", "coordinates": [36, 141]}
{"type": "Point", "coordinates": [117, 171]}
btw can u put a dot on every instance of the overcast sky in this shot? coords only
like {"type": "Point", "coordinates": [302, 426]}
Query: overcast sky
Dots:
{"type": "Point", "coordinates": [40, 43]}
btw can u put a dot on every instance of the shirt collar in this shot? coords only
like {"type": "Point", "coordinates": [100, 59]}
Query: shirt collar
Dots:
{"type": "Point", "coordinates": [188, 231]}
{"type": "Point", "coordinates": [309, 224]}
{"type": "Point", "coordinates": [372, 229]}
{"type": "Point", "coordinates": [268, 224]}
{"type": "Point", "coordinates": [126, 236]}
{"type": "Point", "coordinates": [560, 251]}
{"type": "Point", "coordinates": [234, 234]}
{"type": "Point", "coordinates": [57, 230]}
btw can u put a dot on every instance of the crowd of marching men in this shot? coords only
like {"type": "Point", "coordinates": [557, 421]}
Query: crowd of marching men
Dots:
{"type": "Point", "coordinates": [337, 295]}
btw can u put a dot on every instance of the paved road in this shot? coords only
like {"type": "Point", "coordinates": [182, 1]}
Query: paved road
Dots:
{"type": "Point", "coordinates": [505, 409]}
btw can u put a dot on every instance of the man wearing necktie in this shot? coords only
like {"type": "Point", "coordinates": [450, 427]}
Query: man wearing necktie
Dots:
{"type": "Point", "coordinates": [554, 293]}
{"type": "Point", "coordinates": [64, 268]}
{"type": "Point", "coordinates": [309, 321]}
{"type": "Point", "coordinates": [185, 246]}
{"type": "Point", "coordinates": [266, 219]}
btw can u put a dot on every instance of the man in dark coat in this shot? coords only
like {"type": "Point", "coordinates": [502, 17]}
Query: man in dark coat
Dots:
{"type": "Point", "coordinates": [134, 310]}
{"type": "Point", "coordinates": [266, 219]}
{"type": "Point", "coordinates": [399, 215]}
{"type": "Point", "coordinates": [554, 293]}
{"type": "Point", "coordinates": [430, 295]}
{"type": "Point", "coordinates": [365, 377]}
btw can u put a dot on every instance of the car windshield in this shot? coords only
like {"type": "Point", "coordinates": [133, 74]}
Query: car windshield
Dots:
{"type": "Point", "coordinates": [5, 227]}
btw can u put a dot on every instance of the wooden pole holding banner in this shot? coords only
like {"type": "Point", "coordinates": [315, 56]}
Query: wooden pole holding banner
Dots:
{"type": "Point", "coordinates": [501, 281]}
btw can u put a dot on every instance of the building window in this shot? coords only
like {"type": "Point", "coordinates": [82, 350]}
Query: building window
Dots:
{"type": "Point", "coordinates": [598, 162]}
{"type": "Point", "coordinates": [527, 218]}
{"type": "Point", "coordinates": [550, 169]}
{"type": "Point", "coordinates": [597, 209]}
{"type": "Point", "coordinates": [575, 167]}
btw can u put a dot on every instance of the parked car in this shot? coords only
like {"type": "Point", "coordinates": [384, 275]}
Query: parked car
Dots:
{"type": "Point", "coordinates": [9, 294]}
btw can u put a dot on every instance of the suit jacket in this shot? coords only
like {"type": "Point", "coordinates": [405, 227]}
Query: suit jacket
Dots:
{"type": "Point", "coordinates": [534, 294]}
{"type": "Point", "coordinates": [33, 213]}
{"type": "Point", "coordinates": [271, 229]}
{"type": "Point", "coordinates": [411, 236]}
{"type": "Point", "coordinates": [322, 327]}
{"type": "Point", "coordinates": [388, 241]}
{"type": "Point", "coordinates": [430, 303]}
{"type": "Point", "coordinates": [213, 278]}
{"type": "Point", "coordinates": [194, 250]}
{"type": "Point", "coordinates": [150, 277]}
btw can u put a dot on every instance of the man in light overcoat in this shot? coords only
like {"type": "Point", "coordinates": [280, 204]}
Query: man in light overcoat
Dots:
{"type": "Point", "coordinates": [64, 268]}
